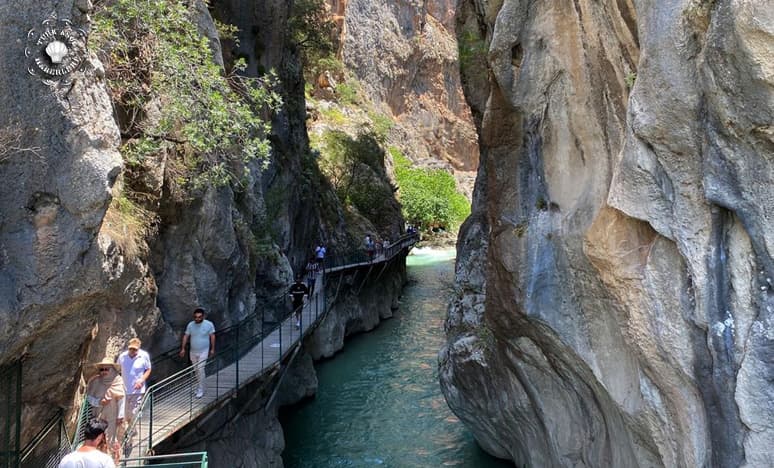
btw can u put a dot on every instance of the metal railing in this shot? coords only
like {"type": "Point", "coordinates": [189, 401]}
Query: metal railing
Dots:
{"type": "Point", "coordinates": [84, 414]}
{"type": "Point", "coordinates": [170, 403]}
{"type": "Point", "coordinates": [48, 446]}
{"type": "Point", "coordinates": [340, 261]}
{"type": "Point", "coordinates": [186, 460]}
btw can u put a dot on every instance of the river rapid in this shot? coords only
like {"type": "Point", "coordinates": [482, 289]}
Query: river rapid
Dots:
{"type": "Point", "coordinates": [379, 402]}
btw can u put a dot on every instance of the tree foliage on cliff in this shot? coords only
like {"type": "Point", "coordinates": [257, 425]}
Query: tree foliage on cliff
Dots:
{"type": "Point", "coordinates": [429, 196]}
{"type": "Point", "coordinates": [355, 168]}
{"type": "Point", "coordinates": [169, 91]}
{"type": "Point", "coordinates": [314, 32]}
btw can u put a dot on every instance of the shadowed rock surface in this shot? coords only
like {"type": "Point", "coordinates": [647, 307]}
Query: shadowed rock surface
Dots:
{"type": "Point", "coordinates": [614, 298]}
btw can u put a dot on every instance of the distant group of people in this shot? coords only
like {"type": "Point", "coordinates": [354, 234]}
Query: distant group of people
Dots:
{"type": "Point", "coordinates": [116, 390]}
{"type": "Point", "coordinates": [375, 248]}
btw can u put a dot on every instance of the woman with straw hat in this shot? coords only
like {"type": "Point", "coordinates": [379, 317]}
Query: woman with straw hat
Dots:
{"type": "Point", "coordinates": [105, 393]}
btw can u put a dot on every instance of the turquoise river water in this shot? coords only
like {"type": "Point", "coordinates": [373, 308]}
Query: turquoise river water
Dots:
{"type": "Point", "coordinates": [379, 402]}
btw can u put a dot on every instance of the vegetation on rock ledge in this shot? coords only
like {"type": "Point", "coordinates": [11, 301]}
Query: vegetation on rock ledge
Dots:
{"type": "Point", "coordinates": [169, 92]}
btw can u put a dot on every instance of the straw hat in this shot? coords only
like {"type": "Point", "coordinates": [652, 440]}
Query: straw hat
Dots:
{"type": "Point", "coordinates": [105, 362]}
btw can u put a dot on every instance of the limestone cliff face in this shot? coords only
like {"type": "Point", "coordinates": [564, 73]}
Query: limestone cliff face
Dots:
{"type": "Point", "coordinates": [405, 56]}
{"type": "Point", "coordinates": [614, 302]}
{"type": "Point", "coordinates": [61, 281]}
{"type": "Point", "coordinates": [70, 292]}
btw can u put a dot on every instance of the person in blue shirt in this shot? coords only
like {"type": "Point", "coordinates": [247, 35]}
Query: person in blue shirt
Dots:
{"type": "Point", "coordinates": [201, 334]}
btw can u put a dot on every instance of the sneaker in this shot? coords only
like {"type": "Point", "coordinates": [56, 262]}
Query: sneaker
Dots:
{"type": "Point", "coordinates": [199, 393]}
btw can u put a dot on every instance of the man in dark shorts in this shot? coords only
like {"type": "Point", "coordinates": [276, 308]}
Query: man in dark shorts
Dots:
{"type": "Point", "coordinates": [297, 293]}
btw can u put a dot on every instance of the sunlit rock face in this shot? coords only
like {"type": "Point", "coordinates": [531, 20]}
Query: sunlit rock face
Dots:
{"type": "Point", "coordinates": [405, 56]}
{"type": "Point", "coordinates": [614, 283]}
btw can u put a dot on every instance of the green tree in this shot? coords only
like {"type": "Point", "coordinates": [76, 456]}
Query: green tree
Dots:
{"type": "Point", "coordinates": [314, 33]}
{"type": "Point", "coordinates": [429, 196]}
{"type": "Point", "coordinates": [170, 92]}
{"type": "Point", "coordinates": [347, 160]}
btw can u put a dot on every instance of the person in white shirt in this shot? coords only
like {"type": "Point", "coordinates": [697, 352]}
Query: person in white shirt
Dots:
{"type": "Point", "coordinates": [201, 334]}
{"type": "Point", "coordinates": [319, 253]}
{"type": "Point", "coordinates": [89, 455]}
{"type": "Point", "coordinates": [135, 369]}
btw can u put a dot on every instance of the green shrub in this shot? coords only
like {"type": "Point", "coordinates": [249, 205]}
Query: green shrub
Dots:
{"type": "Point", "coordinates": [347, 93]}
{"type": "Point", "coordinates": [381, 124]}
{"type": "Point", "coordinates": [346, 160]}
{"type": "Point", "coordinates": [471, 49]}
{"type": "Point", "coordinates": [334, 115]}
{"type": "Point", "coordinates": [429, 196]}
{"type": "Point", "coordinates": [169, 92]}
{"type": "Point", "coordinates": [630, 78]}
{"type": "Point", "coordinates": [127, 223]}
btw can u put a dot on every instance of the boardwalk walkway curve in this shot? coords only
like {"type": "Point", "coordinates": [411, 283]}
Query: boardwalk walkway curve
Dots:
{"type": "Point", "coordinates": [251, 352]}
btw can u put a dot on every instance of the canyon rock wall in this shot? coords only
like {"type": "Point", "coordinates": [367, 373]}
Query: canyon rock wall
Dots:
{"type": "Point", "coordinates": [70, 290]}
{"type": "Point", "coordinates": [75, 283]}
{"type": "Point", "coordinates": [614, 297]}
{"type": "Point", "coordinates": [404, 55]}
{"type": "Point", "coordinates": [63, 283]}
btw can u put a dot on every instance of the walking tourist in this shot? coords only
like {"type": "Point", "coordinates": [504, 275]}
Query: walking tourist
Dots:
{"type": "Point", "coordinates": [135, 369]}
{"type": "Point", "coordinates": [201, 334]}
{"type": "Point", "coordinates": [105, 393]}
{"type": "Point", "coordinates": [369, 246]}
{"type": "Point", "coordinates": [319, 253]}
{"type": "Point", "coordinates": [89, 454]}
{"type": "Point", "coordinates": [297, 293]}
{"type": "Point", "coordinates": [312, 268]}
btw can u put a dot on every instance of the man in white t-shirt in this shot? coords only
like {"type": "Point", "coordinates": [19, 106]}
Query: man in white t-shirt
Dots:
{"type": "Point", "coordinates": [201, 334]}
{"type": "Point", "coordinates": [135, 369]}
{"type": "Point", "coordinates": [88, 455]}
